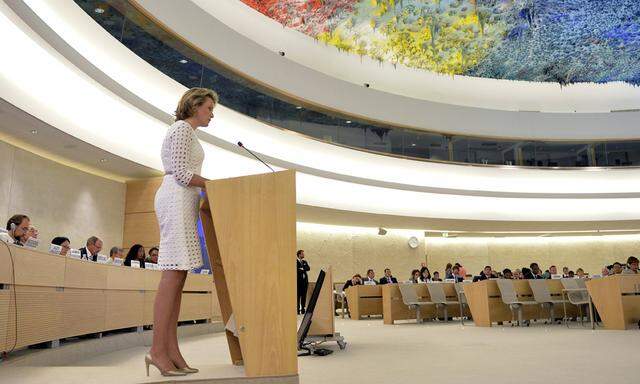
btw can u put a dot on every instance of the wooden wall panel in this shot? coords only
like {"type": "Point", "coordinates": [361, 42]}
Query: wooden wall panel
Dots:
{"type": "Point", "coordinates": [39, 314]}
{"type": "Point", "coordinates": [126, 278]}
{"type": "Point", "coordinates": [149, 299]}
{"type": "Point", "coordinates": [6, 272]}
{"type": "Point", "coordinates": [195, 306]}
{"type": "Point", "coordinates": [141, 228]}
{"type": "Point", "coordinates": [7, 320]}
{"type": "Point", "coordinates": [140, 223]}
{"type": "Point", "coordinates": [85, 298]}
{"type": "Point", "coordinates": [85, 274]}
{"type": "Point", "coordinates": [141, 195]}
{"type": "Point", "coordinates": [124, 309]}
{"type": "Point", "coordinates": [37, 268]}
{"type": "Point", "coordinates": [151, 280]}
{"type": "Point", "coordinates": [198, 283]}
{"type": "Point", "coordinates": [83, 311]}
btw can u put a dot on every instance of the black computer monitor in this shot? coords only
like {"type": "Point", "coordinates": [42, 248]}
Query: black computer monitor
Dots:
{"type": "Point", "coordinates": [308, 315]}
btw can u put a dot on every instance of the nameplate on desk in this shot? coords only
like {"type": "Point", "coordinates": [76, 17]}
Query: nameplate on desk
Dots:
{"type": "Point", "coordinates": [117, 261]}
{"type": "Point", "coordinates": [369, 283]}
{"type": "Point", "coordinates": [151, 266]}
{"type": "Point", "coordinates": [75, 254]}
{"type": "Point", "coordinates": [556, 277]}
{"type": "Point", "coordinates": [449, 280]}
{"type": "Point", "coordinates": [31, 243]}
{"type": "Point", "coordinates": [102, 259]}
{"type": "Point", "coordinates": [55, 249]}
{"type": "Point", "coordinates": [204, 271]}
{"type": "Point", "coordinates": [135, 264]}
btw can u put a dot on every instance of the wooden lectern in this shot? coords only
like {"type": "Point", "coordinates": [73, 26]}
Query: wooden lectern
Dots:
{"type": "Point", "coordinates": [250, 232]}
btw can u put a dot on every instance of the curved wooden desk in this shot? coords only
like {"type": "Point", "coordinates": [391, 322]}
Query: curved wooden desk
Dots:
{"type": "Point", "coordinates": [58, 297]}
{"type": "Point", "coordinates": [364, 300]}
{"type": "Point", "coordinates": [617, 299]}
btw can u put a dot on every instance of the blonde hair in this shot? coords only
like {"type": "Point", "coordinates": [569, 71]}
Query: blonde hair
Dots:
{"type": "Point", "coordinates": [192, 99]}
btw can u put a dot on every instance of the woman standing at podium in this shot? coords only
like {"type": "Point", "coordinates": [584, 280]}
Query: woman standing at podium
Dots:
{"type": "Point", "coordinates": [177, 205]}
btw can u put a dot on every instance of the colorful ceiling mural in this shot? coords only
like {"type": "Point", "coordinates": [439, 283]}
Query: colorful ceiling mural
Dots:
{"type": "Point", "coordinates": [564, 41]}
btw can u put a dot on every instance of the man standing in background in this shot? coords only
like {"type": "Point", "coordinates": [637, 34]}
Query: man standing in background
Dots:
{"type": "Point", "coordinates": [303, 281]}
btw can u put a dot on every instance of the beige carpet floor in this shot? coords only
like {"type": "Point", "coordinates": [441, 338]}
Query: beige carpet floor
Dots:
{"type": "Point", "coordinates": [402, 353]}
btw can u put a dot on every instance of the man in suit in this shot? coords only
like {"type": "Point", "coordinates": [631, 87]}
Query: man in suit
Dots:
{"type": "Point", "coordinates": [90, 252]}
{"type": "Point", "coordinates": [370, 279]}
{"type": "Point", "coordinates": [388, 278]}
{"type": "Point", "coordinates": [536, 271]}
{"type": "Point", "coordinates": [302, 268]}
{"type": "Point", "coordinates": [487, 273]}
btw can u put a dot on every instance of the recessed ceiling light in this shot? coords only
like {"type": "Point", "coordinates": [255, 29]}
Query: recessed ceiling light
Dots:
{"type": "Point", "coordinates": [103, 160]}
{"type": "Point", "coordinates": [34, 131]}
{"type": "Point", "coordinates": [99, 10]}
{"type": "Point", "coordinates": [348, 121]}
{"type": "Point", "coordinates": [183, 61]}
{"type": "Point", "coordinates": [298, 107]}
{"type": "Point", "coordinates": [413, 144]}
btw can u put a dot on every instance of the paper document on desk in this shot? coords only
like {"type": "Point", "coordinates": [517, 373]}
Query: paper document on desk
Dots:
{"type": "Point", "coordinates": [231, 325]}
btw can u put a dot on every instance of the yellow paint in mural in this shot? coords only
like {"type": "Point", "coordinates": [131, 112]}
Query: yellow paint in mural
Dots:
{"type": "Point", "coordinates": [444, 42]}
{"type": "Point", "coordinates": [337, 39]}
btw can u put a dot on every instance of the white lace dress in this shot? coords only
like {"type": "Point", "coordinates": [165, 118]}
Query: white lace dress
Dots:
{"type": "Point", "coordinates": [176, 203]}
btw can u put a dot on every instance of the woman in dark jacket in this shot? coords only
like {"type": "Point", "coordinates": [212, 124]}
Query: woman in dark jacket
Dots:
{"type": "Point", "coordinates": [135, 253]}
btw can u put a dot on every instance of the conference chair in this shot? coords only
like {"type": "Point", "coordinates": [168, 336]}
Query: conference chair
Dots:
{"type": "Point", "coordinates": [411, 300]}
{"type": "Point", "coordinates": [462, 299]}
{"type": "Point", "coordinates": [542, 295]}
{"type": "Point", "coordinates": [510, 298]}
{"type": "Point", "coordinates": [436, 291]}
{"type": "Point", "coordinates": [576, 293]}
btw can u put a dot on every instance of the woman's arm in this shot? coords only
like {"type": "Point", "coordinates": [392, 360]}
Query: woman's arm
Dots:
{"type": "Point", "coordinates": [181, 144]}
{"type": "Point", "coordinates": [197, 181]}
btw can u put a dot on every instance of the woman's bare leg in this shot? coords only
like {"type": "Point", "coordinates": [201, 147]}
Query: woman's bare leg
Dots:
{"type": "Point", "coordinates": [170, 286]}
{"type": "Point", "coordinates": [173, 348]}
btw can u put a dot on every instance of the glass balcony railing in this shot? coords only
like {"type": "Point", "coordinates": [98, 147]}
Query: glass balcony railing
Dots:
{"type": "Point", "coordinates": [192, 68]}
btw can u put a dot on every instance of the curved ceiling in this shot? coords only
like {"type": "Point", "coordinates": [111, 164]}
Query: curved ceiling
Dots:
{"type": "Point", "coordinates": [563, 42]}
{"type": "Point", "coordinates": [398, 96]}
{"type": "Point", "coordinates": [100, 114]}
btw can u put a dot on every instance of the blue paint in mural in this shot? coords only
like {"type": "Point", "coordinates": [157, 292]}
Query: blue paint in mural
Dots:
{"type": "Point", "coordinates": [568, 41]}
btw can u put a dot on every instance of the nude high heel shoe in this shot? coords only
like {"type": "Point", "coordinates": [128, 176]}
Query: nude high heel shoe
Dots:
{"type": "Point", "coordinates": [188, 369]}
{"type": "Point", "coordinates": [149, 361]}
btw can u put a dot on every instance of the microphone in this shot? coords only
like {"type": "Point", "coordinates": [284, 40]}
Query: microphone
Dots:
{"type": "Point", "coordinates": [254, 155]}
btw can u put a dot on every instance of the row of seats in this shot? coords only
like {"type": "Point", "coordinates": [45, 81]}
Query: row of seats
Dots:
{"type": "Point", "coordinates": [574, 290]}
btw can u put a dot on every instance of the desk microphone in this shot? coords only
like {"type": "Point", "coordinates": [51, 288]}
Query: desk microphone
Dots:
{"type": "Point", "coordinates": [254, 155]}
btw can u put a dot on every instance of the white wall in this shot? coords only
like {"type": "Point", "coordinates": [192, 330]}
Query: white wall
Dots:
{"type": "Point", "coordinates": [351, 250]}
{"type": "Point", "coordinates": [60, 200]}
